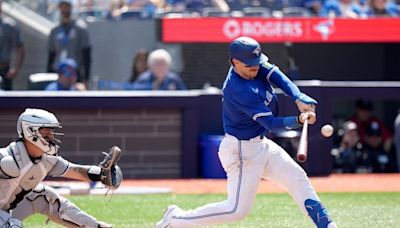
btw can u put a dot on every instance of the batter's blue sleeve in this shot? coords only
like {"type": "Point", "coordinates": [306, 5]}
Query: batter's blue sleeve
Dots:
{"type": "Point", "coordinates": [254, 107]}
{"type": "Point", "coordinates": [282, 81]}
{"type": "Point", "coordinates": [306, 99]}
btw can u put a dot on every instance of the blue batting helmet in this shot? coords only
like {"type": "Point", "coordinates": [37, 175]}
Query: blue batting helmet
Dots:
{"type": "Point", "coordinates": [247, 50]}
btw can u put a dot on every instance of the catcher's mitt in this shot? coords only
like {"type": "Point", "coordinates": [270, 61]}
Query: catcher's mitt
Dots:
{"type": "Point", "coordinates": [111, 174]}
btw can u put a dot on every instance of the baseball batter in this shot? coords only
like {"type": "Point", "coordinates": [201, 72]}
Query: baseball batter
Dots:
{"type": "Point", "coordinates": [27, 161]}
{"type": "Point", "coordinates": [249, 109]}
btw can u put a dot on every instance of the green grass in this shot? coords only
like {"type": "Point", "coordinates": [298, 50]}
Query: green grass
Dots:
{"type": "Point", "coordinates": [350, 210]}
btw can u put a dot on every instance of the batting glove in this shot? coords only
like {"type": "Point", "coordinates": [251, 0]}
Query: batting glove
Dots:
{"type": "Point", "coordinates": [305, 103]}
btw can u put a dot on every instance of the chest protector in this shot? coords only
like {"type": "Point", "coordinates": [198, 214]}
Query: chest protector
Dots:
{"type": "Point", "coordinates": [19, 175]}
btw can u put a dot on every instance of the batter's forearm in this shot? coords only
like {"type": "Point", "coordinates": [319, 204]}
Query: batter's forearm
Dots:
{"type": "Point", "coordinates": [279, 123]}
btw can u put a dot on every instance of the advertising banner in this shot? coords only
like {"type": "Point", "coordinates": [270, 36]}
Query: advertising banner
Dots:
{"type": "Point", "coordinates": [301, 30]}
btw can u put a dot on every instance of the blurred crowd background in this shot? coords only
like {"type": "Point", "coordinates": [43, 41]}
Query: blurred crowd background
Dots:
{"type": "Point", "coordinates": [124, 9]}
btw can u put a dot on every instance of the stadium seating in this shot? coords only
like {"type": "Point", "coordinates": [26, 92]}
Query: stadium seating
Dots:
{"type": "Point", "coordinates": [295, 12]}
{"type": "Point", "coordinates": [133, 14]}
{"type": "Point", "coordinates": [256, 12]}
{"type": "Point", "coordinates": [213, 12]}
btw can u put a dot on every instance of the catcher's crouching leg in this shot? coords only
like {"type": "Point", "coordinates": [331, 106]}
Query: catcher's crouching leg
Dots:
{"type": "Point", "coordinates": [9, 222]}
{"type": "Point", "coordinates": [60, 210]}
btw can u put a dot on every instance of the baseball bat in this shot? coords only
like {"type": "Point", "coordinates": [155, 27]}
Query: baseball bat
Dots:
{"type": "Point", "coordinates": [302, 150]}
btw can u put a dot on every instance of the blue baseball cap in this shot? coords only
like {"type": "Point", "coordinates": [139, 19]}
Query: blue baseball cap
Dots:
{"type": "Point", "coordinates": [247, 50]}
{"type": "Point", "coordinates": [67, 67]}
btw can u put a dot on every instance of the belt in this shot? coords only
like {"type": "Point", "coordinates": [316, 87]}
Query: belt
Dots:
{"type": "Point", "coordinates": [257, 138]}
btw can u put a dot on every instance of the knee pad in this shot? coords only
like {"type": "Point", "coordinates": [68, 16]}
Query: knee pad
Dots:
{"type": "Point", "coordinates": [48, 193]}
{"type": "Point", "coordinates": [318, 213]}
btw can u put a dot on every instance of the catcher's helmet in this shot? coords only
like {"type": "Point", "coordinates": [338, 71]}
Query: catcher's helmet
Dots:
{"type": "Point", "coordinates": [247, 50]}
{"type": "Point", "coordinates": [29, 123]}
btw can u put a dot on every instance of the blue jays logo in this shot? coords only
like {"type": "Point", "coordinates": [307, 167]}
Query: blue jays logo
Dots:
{"type": "Point", "coordinates": [257, 51]}
{"type": "Point", "coordinates": [268, 98]}
{"type": "Point", "coordinates": [325, 28]}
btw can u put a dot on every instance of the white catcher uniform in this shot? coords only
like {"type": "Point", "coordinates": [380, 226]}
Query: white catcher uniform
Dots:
{"type": "Point", "coordinates": [21, 173]}
{"type": "Point", "coordinates": [22, 193]}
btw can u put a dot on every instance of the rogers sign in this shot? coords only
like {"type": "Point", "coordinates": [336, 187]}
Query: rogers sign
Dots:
{"type": "Point", "coordinates": [233, 28]}
{"type": "Point", "coordinates": [304, 30]}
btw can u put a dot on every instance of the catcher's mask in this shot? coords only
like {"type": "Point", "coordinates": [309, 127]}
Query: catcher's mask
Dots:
{"type": "Point", "coordinates": [28, 127]}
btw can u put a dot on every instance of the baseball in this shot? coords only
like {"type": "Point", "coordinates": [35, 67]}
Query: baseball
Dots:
{"type": "Point", "coordinates": [327, 130]}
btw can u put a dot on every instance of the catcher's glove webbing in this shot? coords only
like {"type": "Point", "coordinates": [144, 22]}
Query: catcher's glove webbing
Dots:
{"type": "Point", "coordinates": [111, 174]}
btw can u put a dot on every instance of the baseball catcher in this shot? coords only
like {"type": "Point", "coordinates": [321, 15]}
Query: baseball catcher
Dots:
{"type": "Point", "coordinates": [27, 161]}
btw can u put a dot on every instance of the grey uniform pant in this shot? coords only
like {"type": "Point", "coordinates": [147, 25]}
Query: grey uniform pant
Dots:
{"type": "Point", "coordinates": [44, 200]}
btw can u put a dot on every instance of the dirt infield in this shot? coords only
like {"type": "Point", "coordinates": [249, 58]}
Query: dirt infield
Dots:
{"type": "Point", "coordinates": [332, 183]}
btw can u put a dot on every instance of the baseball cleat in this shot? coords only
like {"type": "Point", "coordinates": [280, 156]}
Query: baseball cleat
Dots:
{"type": "Point", "coordinates": [104, 225]}
{"type": "Point", "coordinates": [332, 225]}
{"type": "Point", "coordinates": [165, 222]}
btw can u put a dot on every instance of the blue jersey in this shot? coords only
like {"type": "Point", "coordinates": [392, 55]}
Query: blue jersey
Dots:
{"type": "Point", "coordinates": [250, 106]}
{"type": "Point", "coordinates": [147, 81]}
{"type": "Point", "coordinates": [57, 86]}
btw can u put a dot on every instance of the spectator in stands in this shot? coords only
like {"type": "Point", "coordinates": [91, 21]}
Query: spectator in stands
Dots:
{"type": "Point", "coordinates": [94, 9]}
{"type": "Point", "coordinates": [341, 8]}
{"type": "Point", "coordinates": [70, 39]}
{"type": "Point", "coordinates": [363, 117]}
{"type": "Point", "coordinates": [347, 154]}
{"type": "Point", "coordinates": [159, 76]}
{"type": "Point", "coordinates": [382, 8]}
{"type": "Point", "coordinates": [139, 64]}
{"type": "Point", "coordinates": [67, 77]}
{"type": "Point", "coordinates": [238, 5]}
{"type": "Point", "coordinates": [377, 158]}
{"type": "Point", "coordinates": [146, 8]}
{"type": "Point", "coordinates": [314, 6]}
{"type": "Point", "coordinates": [10, 40]}
{"type": "Point", "coordinates": [84, 5]}
{"type": "Point", "coordinates": [197, 5]}
{"type": "Point", "coordinates": [397, 139]}
{"type": "Point", "coordinates": [117, 6]}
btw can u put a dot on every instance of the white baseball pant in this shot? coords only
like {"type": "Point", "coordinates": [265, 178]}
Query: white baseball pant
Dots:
{"type": "Point", "coordinates": [246, 162]}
